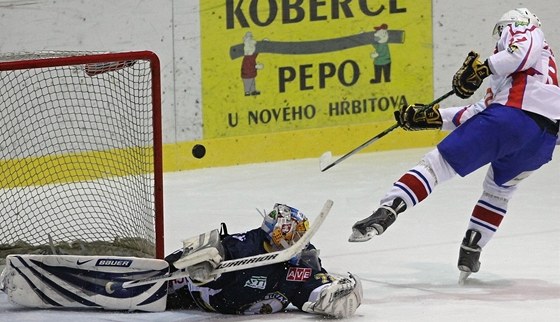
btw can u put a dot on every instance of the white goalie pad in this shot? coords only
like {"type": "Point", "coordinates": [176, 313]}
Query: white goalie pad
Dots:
{"type": "Point", "coordinates": [67, 281]}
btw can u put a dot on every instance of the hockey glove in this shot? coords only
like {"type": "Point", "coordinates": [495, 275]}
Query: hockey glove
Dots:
{"type": "Point", "coordinates": [339, 299]}
{"type": "Point", "coordinates": [419, 117]}
{"type": "Point", "coordinates": [201, 255]}
{"type": "Point", "coordinates": [470, 76]}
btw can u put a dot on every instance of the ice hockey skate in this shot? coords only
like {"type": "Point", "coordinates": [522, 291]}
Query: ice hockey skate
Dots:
{"type": "Point", "coordinates": [469, 255]}
{"type": "Point", "coordinates": [378, 222]}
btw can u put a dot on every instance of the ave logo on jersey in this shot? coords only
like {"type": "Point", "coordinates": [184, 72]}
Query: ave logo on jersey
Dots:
{"type": "Point", "coordinates": [298, 274]}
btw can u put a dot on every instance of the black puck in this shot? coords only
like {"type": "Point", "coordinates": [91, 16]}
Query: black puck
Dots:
{"type": "Point", "coordinates": [198, 151]}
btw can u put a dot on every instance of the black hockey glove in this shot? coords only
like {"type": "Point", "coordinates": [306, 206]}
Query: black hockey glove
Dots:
{"type": "Point", "coordinates": [419, 117]}
{"type": "Point", "coordinates": [470, 76]}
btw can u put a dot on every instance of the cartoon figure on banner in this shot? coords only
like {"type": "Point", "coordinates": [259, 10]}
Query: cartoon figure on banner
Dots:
{"type": "Point", "coordinates": [249, 65]}
{"type": "Point", "coordinates": [381, 55]}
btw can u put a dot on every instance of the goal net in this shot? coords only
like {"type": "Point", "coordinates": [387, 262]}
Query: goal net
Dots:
{"type": "Point", "coordinates": [80, 154]}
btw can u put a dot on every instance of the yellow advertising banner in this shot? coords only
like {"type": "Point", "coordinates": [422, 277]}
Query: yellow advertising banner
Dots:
{"type": "Point", "coordinates": [271, 66]}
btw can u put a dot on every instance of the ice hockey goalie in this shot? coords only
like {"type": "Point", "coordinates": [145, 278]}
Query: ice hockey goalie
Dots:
{"type": "Point", "coordinates": [196, 279]}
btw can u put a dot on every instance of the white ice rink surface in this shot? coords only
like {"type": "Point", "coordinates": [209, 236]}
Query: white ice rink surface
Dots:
{"type": "Point", "coordinates": [409, 273]}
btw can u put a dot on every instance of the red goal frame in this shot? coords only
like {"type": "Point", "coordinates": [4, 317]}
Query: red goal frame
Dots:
{"type": "Point", "coordinates": [82, 59]}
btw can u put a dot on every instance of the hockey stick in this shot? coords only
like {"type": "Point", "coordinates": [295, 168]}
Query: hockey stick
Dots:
{"type": "Point", "coordinates": [325, 160]}
{"type": "Point", "coordinates": [244, 262]}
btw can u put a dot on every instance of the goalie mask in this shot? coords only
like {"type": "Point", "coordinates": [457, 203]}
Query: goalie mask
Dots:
{"type": "Point", "coordinates": [284, 226]}
{"type": "Point", "coordinates": [519, 16]}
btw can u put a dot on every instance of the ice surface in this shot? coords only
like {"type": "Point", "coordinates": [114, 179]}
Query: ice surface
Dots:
{"type": "Point", "coordinates": [409, 273]}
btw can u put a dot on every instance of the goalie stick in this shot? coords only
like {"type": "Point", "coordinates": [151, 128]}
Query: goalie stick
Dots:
{"type": "Point", "coordinates": [244, 262]}
{"type": "Point", "coordinates": [325, 160]}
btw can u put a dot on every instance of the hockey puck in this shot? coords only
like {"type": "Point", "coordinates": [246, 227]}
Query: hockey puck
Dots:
{"type": "Point", "coordinates": [198, 151]}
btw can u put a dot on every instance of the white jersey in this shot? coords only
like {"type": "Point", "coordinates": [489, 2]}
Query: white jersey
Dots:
{"type": "Point", "coordinates": [524, 76]}
{"type": "Point", "coordinates": [524, 72]}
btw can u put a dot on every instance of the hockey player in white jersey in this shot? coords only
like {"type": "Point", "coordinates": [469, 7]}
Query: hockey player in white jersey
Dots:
{"type": "Point", "coordinates": [514, 128]}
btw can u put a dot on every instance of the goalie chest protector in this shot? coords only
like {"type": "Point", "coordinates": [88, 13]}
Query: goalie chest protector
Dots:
{"type": "Point", "coordinates": [67, 281]}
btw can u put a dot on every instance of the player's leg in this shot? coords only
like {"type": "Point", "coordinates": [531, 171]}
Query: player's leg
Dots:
{"type": "Point", "coordinates": [486, 217]}
{"type": "Point", "coordinates": [413, 187]}
{"type": "Point", "coordinates": [484, 138]}
{"type": "Point", "coordinates": [498, 188]}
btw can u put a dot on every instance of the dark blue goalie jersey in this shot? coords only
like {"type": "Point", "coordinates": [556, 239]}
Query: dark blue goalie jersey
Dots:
{"type": "Point", "coordinates": [260, 290]}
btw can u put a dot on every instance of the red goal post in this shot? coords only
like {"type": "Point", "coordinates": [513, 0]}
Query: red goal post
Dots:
{"type": "Point", "coordinates": [81, 154]}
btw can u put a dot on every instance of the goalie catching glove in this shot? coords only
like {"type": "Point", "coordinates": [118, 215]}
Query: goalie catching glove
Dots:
{"type": "Point", "coordinates": [470, 76]}
{"type": "Point", "coordinates": [419, 117]}
{"type": "Point", "coordinates": [339, 299]}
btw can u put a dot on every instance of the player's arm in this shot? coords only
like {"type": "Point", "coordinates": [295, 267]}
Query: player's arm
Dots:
{"type": "Point", "coordinates": [421, 117]}
{"type": "Point", "coordinates": [452, 117]}
{"type": "Point", "coordinates": [470, 76]}
{"type": "Point", "coordinates": [522, 50]}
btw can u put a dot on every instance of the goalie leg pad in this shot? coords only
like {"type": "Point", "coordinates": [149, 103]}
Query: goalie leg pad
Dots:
{"type": "Point", "coordinates": [340, 299]}
{"type": "Point", "coordinates": [84, 282]}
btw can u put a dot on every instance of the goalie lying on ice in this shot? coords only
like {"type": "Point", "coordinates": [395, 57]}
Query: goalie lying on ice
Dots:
{"type": "Point", "coordinates": [60, 281]}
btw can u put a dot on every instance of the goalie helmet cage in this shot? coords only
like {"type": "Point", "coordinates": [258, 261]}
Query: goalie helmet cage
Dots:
{"type": "Point", "coordinates": [81, 154]}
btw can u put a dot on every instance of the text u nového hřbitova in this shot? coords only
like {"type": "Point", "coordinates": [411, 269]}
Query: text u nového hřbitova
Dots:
{"type": "Point", "coordinates": [308, 112]}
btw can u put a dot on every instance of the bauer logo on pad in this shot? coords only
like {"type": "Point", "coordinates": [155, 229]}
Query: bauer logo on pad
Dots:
{"type": "Point", "coordinates": [113, 262]}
